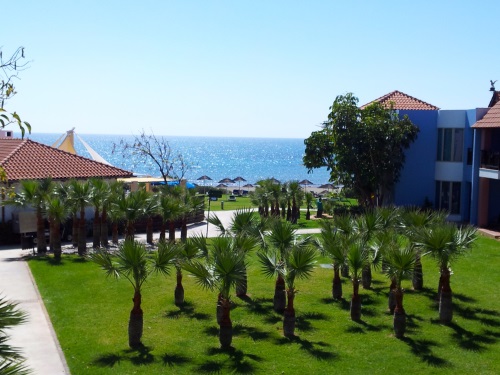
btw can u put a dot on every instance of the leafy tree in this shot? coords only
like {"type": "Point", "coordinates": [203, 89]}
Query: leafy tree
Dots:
{"type": "Point", "coordinates": [362, 148]}
{"type": "Point", "coordinates": [133, 262]}
{"type": "Point", "coordinates": [11, 360]}
{"type": "Point", "coordinates": [148, 149]}
{"type": "Point", "coordinates": [9, 69]}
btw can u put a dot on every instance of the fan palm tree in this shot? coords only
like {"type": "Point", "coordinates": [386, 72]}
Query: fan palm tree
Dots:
{"type": "Point", "coordinates": [400, 260]}
{"type": "Point", "coordinates": [79, 195]}
{"type": "Point", "coordinates": [11, 360]}
{"type": "Point", "coordinates": [282, 238]}
{"type": "Point", "coordinates": [150, 209]}
{"type": "Point", "coordinates": [331, 243]}
{"type": "Point", "coordinates": [296, 263]}
{"type": "Point", "coordinates": [34, 193]}
{"type": "Point", "coordinates": [133, 262]}
{"type": "Point", "coordinates": [412, 220]}
{"type": "Point", "coordinates": [97, 195]}
{"type": "Point", "coordinates": [309, 198]}
{"type": "Point", "coordinates": [131, 207]}
{"type": "Point", "coordinates": [445, 243]}
{"type": "Point", "coordinates": [249, 228]}
{"type": "Point", "coordinates": [57, 213]}
{"type": "Point", "coordinates": [357, 259]}
{"type": "Point", "coordinates": [223, 268]}
{"type": "Point", "coordinates": [112, 192]}
{"type": "Point", "coordinates": [170, 210]}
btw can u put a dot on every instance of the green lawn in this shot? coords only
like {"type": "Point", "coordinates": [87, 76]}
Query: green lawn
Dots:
{"type": "Point", "coordinates": [90, 315]}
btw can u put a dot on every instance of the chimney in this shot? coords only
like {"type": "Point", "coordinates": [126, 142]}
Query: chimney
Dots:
{"type": "Point", "coordinates": [6, 134]}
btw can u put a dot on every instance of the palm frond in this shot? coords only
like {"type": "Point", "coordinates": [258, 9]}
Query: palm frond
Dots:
{"type": "Point", "coordinates": [270, 263]}
{"type": "Point", "coordinates": [164, 258]}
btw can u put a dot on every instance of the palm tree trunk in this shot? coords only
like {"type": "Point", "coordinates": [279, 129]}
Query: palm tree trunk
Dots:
{"type": "Point", "coordinates": [114, 235]}
{"type": "Point", "coordinates": [149, 230]}
{"type": "Point", "coordinates": [104, 228]}
{"type": "Point", "coordinates": [82, 238]}
{"type": "Point", "coordinates": [366, 277]}
{"type": "Point", "coordinates": [392, 297]}
{"type": "Point", "coordinates": [96, 230]}
{"type": "Point", "coordinates": [74, 231]}
{"type": "Point", "coordinates": [308, 214]}
{"type": "Point", "coordinates": [226, 326]}
{"type": "Point", "coordinates": [289, 315]}
{"type": "Point", "coordinates": [41, 246]}
{"type": "Point", "coordinates": [445, 300]}
{"type": "Point", "coordinates": [184, 229]}
{"type": "Point", "coordinates": [399, 314]}
{"type": "Point", "coordinates": [179, 289]}
{"type": "Point", "coordinates": [218, 311]}
{"type": "Point", "coordinates": [279, 300]}
{"type": "Point", "coordinates": [418, 276]}
{"type": "Point", "coordinates": [130, 231]}
{"type": "Point", "coordinates": [56, 239]}
{"type": "Point", "coordinates": [163, 229]}
{"type": "Point", "coordinates": [355, 301]}
{"type": "Point", "coordinates": [337, 283]}
{"type": "Point", "coordinates": [135, 324]}
{"type": "Point", "coordinates": [242, 288]}
{"type": "Point", "coordinates": [344, 270]}
{"type": "Point", "coordinates": [171, 231]}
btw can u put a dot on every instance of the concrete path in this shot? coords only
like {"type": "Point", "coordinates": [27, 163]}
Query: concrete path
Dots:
{"type": "Point", "coordinates": [36, 337]}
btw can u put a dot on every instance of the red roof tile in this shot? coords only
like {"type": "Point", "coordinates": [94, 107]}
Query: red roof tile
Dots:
{"type": "Point", "coordinates": [403, 101]}
{"type": "Point", "coordinates": [27, 159]}
{"type": "Point", "coordinates": [491, 119]}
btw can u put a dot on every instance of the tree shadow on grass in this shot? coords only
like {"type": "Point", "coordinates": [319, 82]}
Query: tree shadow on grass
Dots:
{"type": "Point", "coordinates": [186, 310]}
{"type": "Point", "coordinates": [172, 360]}
{"type": "Point", "coordinates": [259, 306]}
{"type": "Point", "coordinates": [360, 326]}
{"type": "Point", "coordinates": [423, 350]}
{"type": "Point", "coordinates": [342, 303]}
{"type": "Point", "coordinates": [469, 340]}
{"type": "Point", "coordinates": [139, 356]}
{"type": "Point", "coordinates": [236, 361]}
{"type": "Point", "coordinates": [254, 333]}
{"type": "Point", "coordinates": [303, 321]}
{"type": "Point", "coordinates": [492, 318]}
{"type": "Point", "coordinates": [51, 261]}
{"type": "Point", "coordinates": [318, 349]}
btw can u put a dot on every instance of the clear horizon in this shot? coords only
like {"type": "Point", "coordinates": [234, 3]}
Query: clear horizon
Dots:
{"type": "Point", "coordinates": [240, 69]}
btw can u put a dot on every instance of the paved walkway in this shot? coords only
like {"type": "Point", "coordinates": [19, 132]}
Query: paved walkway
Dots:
{"type": "Point", "coordinates": [36, 337]}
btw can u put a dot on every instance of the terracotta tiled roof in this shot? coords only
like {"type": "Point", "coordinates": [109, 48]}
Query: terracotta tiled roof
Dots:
{"type": "Point", "coordinates": [491, 119]}
{"type": "Point", "coordinates": [403, 101]}
{"type": "Point", "coordinates": [26, 159]}
{"type": "Point", "coordinates": [494, 99]}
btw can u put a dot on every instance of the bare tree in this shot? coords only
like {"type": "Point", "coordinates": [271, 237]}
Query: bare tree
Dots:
{"type": "Point", "coordinates": [144, 147]}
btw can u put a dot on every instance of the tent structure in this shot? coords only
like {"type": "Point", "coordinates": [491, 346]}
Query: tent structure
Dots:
{"type": "Point", "coordinates": [66, 142]}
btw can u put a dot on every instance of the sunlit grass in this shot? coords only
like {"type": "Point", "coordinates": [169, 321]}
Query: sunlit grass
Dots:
{"type": "Point", "coordinates": [90, 315]}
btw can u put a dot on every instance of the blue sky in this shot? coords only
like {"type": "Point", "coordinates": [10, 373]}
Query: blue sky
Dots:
{"type": "Point", "coordinates": [241, 68]}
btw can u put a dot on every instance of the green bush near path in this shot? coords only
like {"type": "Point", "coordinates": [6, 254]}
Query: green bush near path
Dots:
{"type": "Point", "coordinates": [90, 315]}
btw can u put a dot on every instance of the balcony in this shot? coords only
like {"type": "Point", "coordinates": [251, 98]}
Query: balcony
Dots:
{"type": "Point", "coordinates": [490, 160]}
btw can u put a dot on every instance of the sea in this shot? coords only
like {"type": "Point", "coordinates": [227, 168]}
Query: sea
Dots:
{"type": "Point", "coordinates": [253, 159]}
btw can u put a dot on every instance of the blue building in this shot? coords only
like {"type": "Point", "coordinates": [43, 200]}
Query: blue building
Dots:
{"type": "Point", "coordinates": [454, 163]}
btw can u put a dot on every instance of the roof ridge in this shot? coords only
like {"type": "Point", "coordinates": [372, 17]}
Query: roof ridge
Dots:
{"type": "Point", "coordinates": [387, 98]}
{"type": "Point", "coordinates": [73, 155]}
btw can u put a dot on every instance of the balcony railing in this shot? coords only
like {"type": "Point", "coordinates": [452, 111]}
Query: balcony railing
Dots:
{"type": "Point", "coordinates": [490, 159]}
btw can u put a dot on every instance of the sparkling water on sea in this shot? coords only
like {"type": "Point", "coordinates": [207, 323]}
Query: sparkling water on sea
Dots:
{"type": "Point", "coordinates": [253, 159]}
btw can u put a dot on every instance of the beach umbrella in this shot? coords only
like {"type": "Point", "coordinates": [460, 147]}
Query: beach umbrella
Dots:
{"type": "Point", "coordinates": [222, 186]}
{"type": "Point", "coordinates": [204, 178]}
{"type": "Point", "coordinates": [305, 183]}
{"type": "Point", "coordinates": [274, 180]}
{"type": "Point", "coordinates": [327, 186]}
{"type": "Point", "coordinates": [248, 185]}
{"type": "Point", "coordinates": [226, 180]}
{"type": "Point", "coordinates": [239, 180]}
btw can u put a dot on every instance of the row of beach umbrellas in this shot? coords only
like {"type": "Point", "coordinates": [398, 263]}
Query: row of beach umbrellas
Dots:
{"type": "Point", "coordinates": [227, 180]}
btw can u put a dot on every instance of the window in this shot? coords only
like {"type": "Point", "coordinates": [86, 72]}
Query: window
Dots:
{"type": "Point", "coordinates": [450, 144]}
{"type": "Point", "coordinates": [448, 196]}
